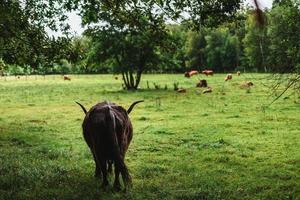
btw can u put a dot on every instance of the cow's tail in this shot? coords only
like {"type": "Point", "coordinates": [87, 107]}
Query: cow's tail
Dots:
{"type": "Point", "coordinates": [118, 155]}
{"type": "Point", "coordinates": [132, 105]}
{"type": "Point", "coordinates": [83, 108]}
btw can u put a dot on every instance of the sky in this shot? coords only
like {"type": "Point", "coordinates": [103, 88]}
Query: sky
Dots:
{"type": "Point", "coordinates": [77, 29]}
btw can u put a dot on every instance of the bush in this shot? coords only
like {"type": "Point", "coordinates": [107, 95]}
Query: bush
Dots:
{"type": "Point", "coordinates": [66, 67]}
{"type": "Point", "coordinates": [15, 70]}
{"type": "Point", "coordinates": [63, 67]}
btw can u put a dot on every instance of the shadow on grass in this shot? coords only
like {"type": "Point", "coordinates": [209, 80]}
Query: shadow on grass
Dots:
{"type": "Point", "coordinates": [53, 183]}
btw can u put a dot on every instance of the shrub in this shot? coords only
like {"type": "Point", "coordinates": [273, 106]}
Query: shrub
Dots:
{"type": "Point", "coordinates": [15, 70]}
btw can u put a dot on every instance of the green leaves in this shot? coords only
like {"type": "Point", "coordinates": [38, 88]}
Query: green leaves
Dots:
{"type": "Point", "coordinates": [283, 31]}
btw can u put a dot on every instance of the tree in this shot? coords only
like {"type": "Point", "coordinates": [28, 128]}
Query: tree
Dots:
{"type": "Point", "coordinates": [23, 39]}
{"type": "Point", "coordinates": [284, 28]}
{"type": "Point", "coordinates": [222, 50]}
{"type": "Point", "coordinates": [131, 34]}
{"type": "Point", "coordinates": [130, 39]}
{"type": "Point", "coordinates": [196, 50]}
{"type": "Point", "coordinates": [174, 60]}
{"type": "Point", "coordinates": [284, 58]}
{"type": "Point", "coordinates": [201, 12]}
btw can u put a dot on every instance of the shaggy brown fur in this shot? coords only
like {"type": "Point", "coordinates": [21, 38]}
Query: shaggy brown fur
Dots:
{"type": "Point", "coordinates": [107, 131]}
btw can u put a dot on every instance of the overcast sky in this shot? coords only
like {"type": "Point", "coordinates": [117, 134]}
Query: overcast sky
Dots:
{"type": "Point", "coordinates": [75, 21]}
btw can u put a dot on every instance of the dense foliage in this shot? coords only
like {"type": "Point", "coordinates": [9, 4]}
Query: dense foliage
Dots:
{"type": "Point", "coordinates": [132, 37]}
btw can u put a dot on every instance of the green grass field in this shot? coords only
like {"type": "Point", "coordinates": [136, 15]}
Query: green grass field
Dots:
{"type": "Point", "coordinates": [221, 145]}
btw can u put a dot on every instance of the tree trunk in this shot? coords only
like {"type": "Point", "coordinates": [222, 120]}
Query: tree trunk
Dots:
{"type": "Point", "coordinates": [131, 82]}
{"type": "Point", "coordinates": [125, 80]}
{"type": "Point", "coordinates": [131, 78]}
{"type": "Point", "coordinates": [138, 78]}
{"type": "Point", "coordinates": [262, 54]}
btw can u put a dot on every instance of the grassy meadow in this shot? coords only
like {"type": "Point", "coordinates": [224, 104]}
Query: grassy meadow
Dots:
{"type": "Point", "coordinates": [221, 145]}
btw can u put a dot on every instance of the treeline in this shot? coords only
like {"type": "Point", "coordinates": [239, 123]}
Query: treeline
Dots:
{"type": "Point", "coordinates": [238, 44]}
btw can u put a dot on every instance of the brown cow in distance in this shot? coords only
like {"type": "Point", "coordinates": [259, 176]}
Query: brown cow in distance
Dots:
{"type": "Point", "coordinates": [208, 90]}
{"type": "Point", "coordinates": [246, 85]}
{"type": "Point", "coordinates": [208, 72]}
{"type": "Point", "coordinates": [228, 77]}
{"type": "Point", "coordinates": [191, 73]}
{"type": "Point", "coordinates": [181, 90]}
{"type": "Point", "coordinates": [67, 78]}
{"type": "Point", "coordinates": [107, 131]}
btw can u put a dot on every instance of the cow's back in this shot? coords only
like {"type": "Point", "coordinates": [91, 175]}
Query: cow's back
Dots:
{"type": "Point", "coordinates": [97, 123]}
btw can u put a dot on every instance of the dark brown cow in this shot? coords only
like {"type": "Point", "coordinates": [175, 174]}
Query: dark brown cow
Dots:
{"type": "Point", "coordinates": [107, 131]}
{"type": "Point", "coordinates": [202, 83]}
{"type": "Point", "coordinates": [208, 72]}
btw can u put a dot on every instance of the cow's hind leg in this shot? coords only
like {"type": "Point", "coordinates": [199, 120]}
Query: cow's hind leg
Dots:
{"type": "Point", "coordinates": [104, 173]}
{"type": "Point", "coordinates": [117, 185]}
{"type": "Point", "coordinates": [109, 166]}
{"type": "Point", "coordinates": [125, 174]}
{"type": "Point", "coordinates": [97, 168]}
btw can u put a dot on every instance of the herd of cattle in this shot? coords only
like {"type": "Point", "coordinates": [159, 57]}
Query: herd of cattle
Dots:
{"type": "Point", "coordinates": [194, 72]}
{"type": "Point", "coordinates": [203, 82]}
{"type": "Point", "coordinates": [208, 73]}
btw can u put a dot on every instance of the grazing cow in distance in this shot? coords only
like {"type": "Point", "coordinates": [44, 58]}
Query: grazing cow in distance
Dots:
{"type": "Point", "coordinates": [191, 73]}
{"type": "Point", "coordinates": [202, 83]}
{"type": "Point", "coordinates": [208, 90]}
{"type": "Point", "coordinates": [246, 85]}
{"type": "Point", "coordinates": [250, 83]}
{"type": "Point", "coordinates": [67, 78]}
{"type": "Point", "coordinates": [238, 73]}
{"type": "Point", "coordinates": [228, 77]}
{"type": "Point", "coordinates": [208, 72]}
{"type": "Point", "coordinates": [181, 90]}
{"type": "Point", "coordinates": [107, 131]}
